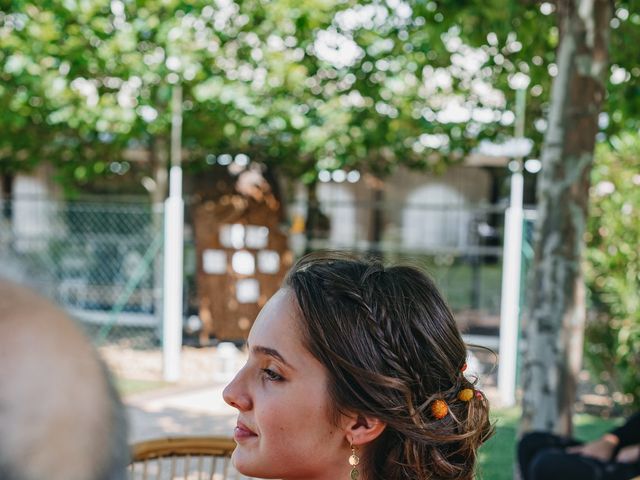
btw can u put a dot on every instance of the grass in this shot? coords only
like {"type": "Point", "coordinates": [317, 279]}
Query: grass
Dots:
{"type": "Point", "coordinates": [129, 386]}
{"type": "Point", "coordinates": [497, 456]}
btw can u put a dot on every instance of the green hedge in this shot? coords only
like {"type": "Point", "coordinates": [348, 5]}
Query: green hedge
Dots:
{"type": "Point", "coordinates": [612, 341]}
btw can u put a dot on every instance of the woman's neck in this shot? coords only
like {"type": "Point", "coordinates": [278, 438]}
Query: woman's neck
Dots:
{"type": "Point", "coordinates": [341, 471]}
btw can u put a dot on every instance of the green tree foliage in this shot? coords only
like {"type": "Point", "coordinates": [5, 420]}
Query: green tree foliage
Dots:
{"type": "Point", "coordinates": [293, 83]}
{"type": "Point", "coordinates": [300, 85]}
{"type": "Point", "coordinates": [612, 343]}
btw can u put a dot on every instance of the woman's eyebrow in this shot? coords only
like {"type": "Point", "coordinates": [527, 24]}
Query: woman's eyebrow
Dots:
{"type": "Point", "coordinates": [271, 352]}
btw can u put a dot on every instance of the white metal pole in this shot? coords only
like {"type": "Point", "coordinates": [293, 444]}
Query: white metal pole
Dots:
{"type": "Point", "coordinates": [173, 251]}
{"type": "Point", "coordinates": [510, 297]}
{"type": "Point", "coordinates": [511, 269]}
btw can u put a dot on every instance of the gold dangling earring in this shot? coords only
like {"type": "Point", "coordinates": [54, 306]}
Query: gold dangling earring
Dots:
{"type": "Point", "coordinates": [354, 460]}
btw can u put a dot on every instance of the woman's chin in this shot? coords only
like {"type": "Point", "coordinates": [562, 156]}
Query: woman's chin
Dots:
{"type": "Point", "coordinates": [248, 468]}
{"type": "Point", "coordinates": [244, 462]}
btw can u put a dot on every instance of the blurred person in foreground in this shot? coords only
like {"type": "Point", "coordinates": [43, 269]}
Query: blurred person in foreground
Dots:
{"type": "Point", "coordinates": [60, 416]}
{"type": "Point", "coordinates": [613, 456]}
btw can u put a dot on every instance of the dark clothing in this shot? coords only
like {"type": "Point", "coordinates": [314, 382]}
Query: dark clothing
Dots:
{"type": "Point", "coordinates": [629, 433]}
{"type": "Point", "coordinates": [542, 456]}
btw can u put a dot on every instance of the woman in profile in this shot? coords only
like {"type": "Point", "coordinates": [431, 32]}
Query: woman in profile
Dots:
{"type": "Point", "coordinates": [356, 371]}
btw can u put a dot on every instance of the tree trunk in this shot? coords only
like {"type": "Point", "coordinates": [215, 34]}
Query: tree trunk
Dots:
{"type": "Point", "coordinates": [556, 301]}
{"type": "Point", "coordinates": [377, 222]}
{"type": "Point", "coordinates": [7, 193]}
{"type": "Point", "coordinates": [313, 215]}
{"type": "Point", "coordinates": [160, 168]}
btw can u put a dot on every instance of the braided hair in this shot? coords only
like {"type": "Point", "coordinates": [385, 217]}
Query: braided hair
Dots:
{"type": "Point", "coordinates": [391, 347]}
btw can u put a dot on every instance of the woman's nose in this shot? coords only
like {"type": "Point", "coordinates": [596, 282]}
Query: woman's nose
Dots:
{"type": "Point", "coordinates": [236, 393]}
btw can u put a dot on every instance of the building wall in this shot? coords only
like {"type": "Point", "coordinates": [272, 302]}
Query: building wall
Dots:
{"type": "Point", "coordinates": [32, 217]}
{"type": "Point", "coordinates": [419, 211]}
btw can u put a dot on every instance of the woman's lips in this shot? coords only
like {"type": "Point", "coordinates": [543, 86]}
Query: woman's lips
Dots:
{"type": "Point", "coordinates": [242, 432]}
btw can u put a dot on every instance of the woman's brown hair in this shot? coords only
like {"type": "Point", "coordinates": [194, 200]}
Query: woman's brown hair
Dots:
{"type": "Point", "coordinates": [391, 347]}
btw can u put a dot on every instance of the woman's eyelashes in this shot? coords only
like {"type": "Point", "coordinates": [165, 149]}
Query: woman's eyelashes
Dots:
{"type": "Point", "coordinates": [270, 375]}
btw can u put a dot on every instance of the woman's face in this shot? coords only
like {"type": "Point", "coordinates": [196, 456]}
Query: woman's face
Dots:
{"type": "Point", "coordinates": [284, 425]}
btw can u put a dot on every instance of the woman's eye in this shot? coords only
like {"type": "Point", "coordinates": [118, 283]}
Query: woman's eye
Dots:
{"type": "Point", "coordinates": [270, 375]}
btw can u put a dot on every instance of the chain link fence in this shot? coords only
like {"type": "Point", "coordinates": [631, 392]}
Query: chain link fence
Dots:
{"type": "Point", "coordinates": [460, 245]}
{"type": "Point", "coordinates": [99, 260]}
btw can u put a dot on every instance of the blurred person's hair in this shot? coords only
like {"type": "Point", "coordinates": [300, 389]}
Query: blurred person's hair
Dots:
{"type": "Point", "coordinates": [60, 415]}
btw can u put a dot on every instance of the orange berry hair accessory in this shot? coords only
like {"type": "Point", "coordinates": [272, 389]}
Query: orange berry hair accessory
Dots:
{"type": "Point", "coordinates": [464, 367]}
{"type": "Point", "coordinates": [439, 409]}
{"type": "Point", "coordinates": [465, 394]}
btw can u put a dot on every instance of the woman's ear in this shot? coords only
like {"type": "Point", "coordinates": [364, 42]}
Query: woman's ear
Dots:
{"type": "Point", "coordinates": [361, 429]}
